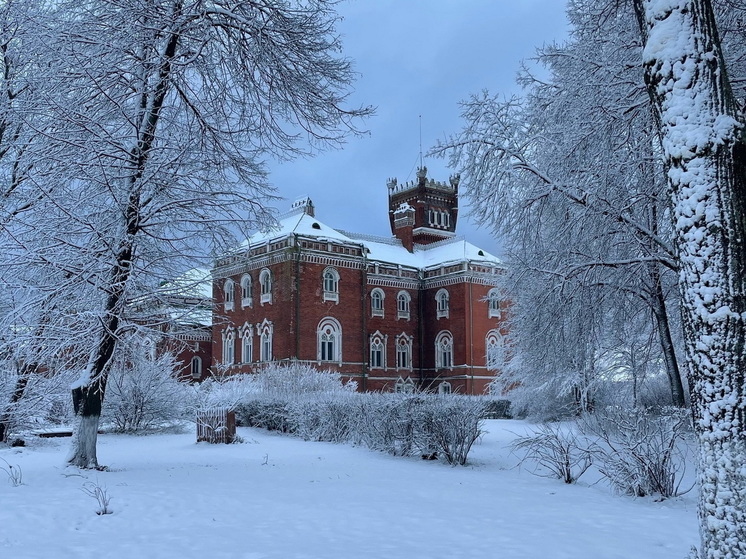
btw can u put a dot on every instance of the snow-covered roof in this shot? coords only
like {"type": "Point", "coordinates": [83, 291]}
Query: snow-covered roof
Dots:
{"type": "Point", "coordinates": [382, 249]}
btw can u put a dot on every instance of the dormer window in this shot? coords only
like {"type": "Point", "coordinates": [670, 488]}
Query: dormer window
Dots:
{"type": "Point", "coordinates": [229, 294]}
{"type": "Point", "coordinates": [331, 285]}
{"type": "Point", "coordinates": [265, 282]}
{"type": "Point", "coordinates": [246, 300]}
{"type": "Point", "coordinates": [441, 302]}
{"type": "Point", "coordinates": [376, 302]}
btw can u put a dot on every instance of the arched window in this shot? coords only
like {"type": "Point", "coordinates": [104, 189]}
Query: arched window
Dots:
{"type": "Point", "coordinates": [329, 340]}
{"type": "Point", "coordinates": [495, 344]}
{"type": "Point", "coordinates": [264, 331]}
{"type": "Point", "coordinates": [246, 300]}
{"type": "Point", "coordinates": [493, 302]}
{"type": "Point", "coordinates": [265, 282]}
{"type": "Point", "coordinates": [402, 305]}
{"type": "Point", "coordinates": [444, 388]}
{"type": "Point", "coordinates": [229, 294]}
{"type": "Point", "coordinates": [229, 346]}
{"type": "Point", "coordinates": [247, 343]}
{"type": "Point", "coordinates": [196, 367]}
{"type": "Point", "coordinates": [404, 386]}
{"type": "Point", "coordinates": [378, 351]}
{"type": "Point", "coordinates": [441, 302]}
{"type": "Point", "coordinates": [376, 302]}
{"type": "Point", "coordinates": [444, 350]}
{"type": "Point", "coordinates": [331, 285]}
{"type": "Point", "coordinates": [403, 351]}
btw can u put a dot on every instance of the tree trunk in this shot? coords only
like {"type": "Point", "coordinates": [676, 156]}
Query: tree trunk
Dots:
{"type": "Point", "coordinates": [658, 304]}
{"type": "Point", "coordinates": [704, 150]}
{"type": "Point", "coordinates": [88, 399]}
{"type": "Point", "coordinates": [24, 375]}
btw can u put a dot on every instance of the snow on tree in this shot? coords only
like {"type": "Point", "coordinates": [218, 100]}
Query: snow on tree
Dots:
{"type": "Point", "coordinates": [164, 112]}
{"type": "Point", "coordinates": [704, 148]}
{"type": "Point", "coordinates": [569, 178]}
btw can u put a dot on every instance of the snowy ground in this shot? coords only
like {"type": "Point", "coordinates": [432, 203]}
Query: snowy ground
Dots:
{"type": "Point", "coordinates": [280, 497]}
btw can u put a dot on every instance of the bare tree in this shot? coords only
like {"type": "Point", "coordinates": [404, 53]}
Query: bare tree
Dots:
{"type": "Point", "coordinates": [164, 112]}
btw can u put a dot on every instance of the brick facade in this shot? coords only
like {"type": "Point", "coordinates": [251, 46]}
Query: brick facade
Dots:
{"type": "Point", "coordinates": [334, 297]}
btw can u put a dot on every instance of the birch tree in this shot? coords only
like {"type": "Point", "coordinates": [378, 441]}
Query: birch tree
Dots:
{"type": "Point", "coordinates": [165, 112]}
{"type": "Point", "coordinates": [704, 148]}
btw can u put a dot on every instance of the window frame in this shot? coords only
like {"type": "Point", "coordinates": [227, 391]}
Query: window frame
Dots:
{"type": "Point", "coordinates": [229, 294]}
{"type": "Point", "coordinates": [493, 303]}
{"type": "Point", "coordinates": [195, 367]}
{"type": "Point", "coordinates": [229, 347]}
{"type": "Point", "coordinates": [442, 303]}
{"type": "Point", "coordinates": [444, 350]}
{"type": "Point", "coordinates": [404, 347]}
{"type": "Point", "coordinates": [247, 299]}
{"type": "Point", "coordinates": [377, 348]}
{"type": "Point", "coordinates": [402, 310]}
{"type": "Point", "coordinates": [377, 294]}
{"type": "Point", "coordinates": [265, 285]}
{"type": "Point", "coordinates": [329, 341]}
{"type": "Point", "coordinates": [330, 284]}
{"type": "Point", "coordinates": [265, 331]}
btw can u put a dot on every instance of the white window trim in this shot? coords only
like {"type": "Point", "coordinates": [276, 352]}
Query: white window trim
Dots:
{"type": "Point", "coordinates": [493, 304]}
{"type": "Point", "coordinates": [440, 339]}
{"type": "Point", "coordinates": [336, 330]}
{"type": "Point", "coordinates": [377, 339]}
{"type": "Point", "coordinates": [265, 331]}
{"type": "Point", "coordinates": [246, 333]}
{"type": "Point", "coordinates": [246, 301]}
{"type": "Point", "coordinates": [444, 388]}
{"type": "Point", "coordinates": [494, 341]}
{"type": "Point", "coordinates": [333, 294]}
{"type": "Point", "coordinates": [196, 372]}
{"type": "Point", "coordinates": [408, 344]}
{"type": "Point", "coordinates": [229, 294]}
{"type": "Point", "coordinates": [442, 303]}
{"type": "Point", "coordinates": [229, 347]}
{"type": "Point", "coordinates": [374, 311]}
{"type": "Point", "coordinates": [400, 313]}
{"type": "Point", "coordinates": [265, 279]}
{"type": "Point", "coordinates": [402, 386]}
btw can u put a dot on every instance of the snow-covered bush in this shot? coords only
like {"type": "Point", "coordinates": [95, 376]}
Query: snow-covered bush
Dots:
{"type": "Point", "coordinates": [294, 380]}
{"type": "Point", "coordinates": [143, 393]}
{"type": "Point", "coordinates": [46, 399]}
{"type": "Point", "coordinates": [640, 452]}
{"type": "Point", "coordinates": [557, 450]}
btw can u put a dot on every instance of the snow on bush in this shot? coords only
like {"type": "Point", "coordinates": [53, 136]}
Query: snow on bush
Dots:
{"type": "Point", "coordinates": [556, 450]}
{"type": "Point", "coordinates": [402, 425]}
{"type": "Point", "coordinates": [46, 399]}
{"type": "Point", "coordinates": [143, 393]}
{"type": "Point", "coordinates": [640, 451]}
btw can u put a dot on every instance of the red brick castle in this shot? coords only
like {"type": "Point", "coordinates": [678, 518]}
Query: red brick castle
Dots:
{"type": "Point", "coordinates": [419, 309]}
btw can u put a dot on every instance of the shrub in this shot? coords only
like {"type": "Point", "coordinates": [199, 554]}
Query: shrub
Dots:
{"type": "Point", "coordinates": [640, 452]}
{"type": "Point", "coordinates": [143, 393]}
{"type": "Point", "coordinates": [559, 451]}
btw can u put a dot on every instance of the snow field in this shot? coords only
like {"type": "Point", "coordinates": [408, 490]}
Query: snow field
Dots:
{"type": "Point", "coordinates": [279, 497]}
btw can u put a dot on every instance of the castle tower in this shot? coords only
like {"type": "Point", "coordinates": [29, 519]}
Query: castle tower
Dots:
{"type": "Point", "coordinates": [423, 211]}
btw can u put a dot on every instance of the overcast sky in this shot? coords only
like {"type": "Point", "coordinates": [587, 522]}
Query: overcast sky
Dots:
{"type": "Point", "coordinates": [415, 57]}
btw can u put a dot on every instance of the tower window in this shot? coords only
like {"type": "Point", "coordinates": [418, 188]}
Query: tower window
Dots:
{"type": "Point", "coordinates": [441, 303]}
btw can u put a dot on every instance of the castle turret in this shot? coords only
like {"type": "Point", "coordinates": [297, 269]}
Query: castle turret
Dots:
{"type": "Point", "coordinates": [423, 211]}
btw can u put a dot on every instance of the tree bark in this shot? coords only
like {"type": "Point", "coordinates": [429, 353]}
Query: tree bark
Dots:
{"type": "Point", "coordinates": [24, 375]}
{"type": "Point", "coordinates": [658, 304]}
{"type": "Point", "coordinates": [705, 152]}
